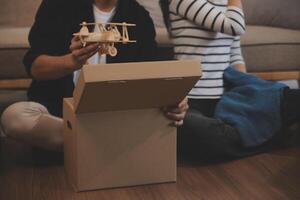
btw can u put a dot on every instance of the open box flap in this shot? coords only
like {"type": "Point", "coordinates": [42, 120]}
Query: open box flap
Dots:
{"type": "Point", "coordinates": [124, 86]}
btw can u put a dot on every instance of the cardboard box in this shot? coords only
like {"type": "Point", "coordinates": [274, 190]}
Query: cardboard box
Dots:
{"type": "Point", "coordinates": [114, 130]}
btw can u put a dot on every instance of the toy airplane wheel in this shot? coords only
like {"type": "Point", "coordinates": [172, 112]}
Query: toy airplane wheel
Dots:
{"type": "Point", "coordinates": [112, 51]}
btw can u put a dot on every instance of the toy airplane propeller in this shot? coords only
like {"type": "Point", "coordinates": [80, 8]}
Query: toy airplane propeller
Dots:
{"type": "Point", "coordinates": [107, 36]}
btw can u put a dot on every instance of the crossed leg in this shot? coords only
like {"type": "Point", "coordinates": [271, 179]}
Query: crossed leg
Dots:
{"type": "Point", "coordinates": [31, 122]}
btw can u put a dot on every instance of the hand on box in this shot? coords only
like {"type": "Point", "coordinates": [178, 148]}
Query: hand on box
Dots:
{"type": "Point", "coordinates": [81, 53]}
{"type": "Point", "coordinates": [177, 113]}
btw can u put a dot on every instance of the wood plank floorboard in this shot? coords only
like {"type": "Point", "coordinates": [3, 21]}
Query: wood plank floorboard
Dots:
{"type": "Point", "coordinates": [274, 175]}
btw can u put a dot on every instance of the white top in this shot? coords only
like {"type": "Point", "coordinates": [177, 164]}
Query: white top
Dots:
{"type": "Point", "coordinates": [100, 17]}
{"type": "Point", "coordinates": [207, 31]}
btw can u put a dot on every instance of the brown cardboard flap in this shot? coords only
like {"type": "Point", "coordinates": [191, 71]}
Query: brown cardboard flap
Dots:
{"type": "Point", "coordinates": [124, 86]}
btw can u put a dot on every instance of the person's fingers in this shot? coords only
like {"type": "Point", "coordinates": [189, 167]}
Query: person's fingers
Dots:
{"type": "Point", "coordinates": [75, 38]}
{"type": "Point", "coordinates": [175, 111]}
{"type": "Point", "coordinates": [178, 123]}
{"type": "Point", "coordinates": [87, 56]}
{"type": "Point", "coordinates": [91, 47]}
{"type": "Point", "coordinates": [178, 110]}
{"type": "Point", "coordinates": [183, 103]}
{"type": "Point", "coordinates": [75, 45]}
{"type": "Point", "coordinates": [82, 59]}
{"type": "Point", "coordinates": [176, 117]}
{"type": "Point", "coordinates": [78, 45]}
{"type": "Point", "coordinates": [86, 50]}
{"type": "Point", "coordinates": [182, 106]}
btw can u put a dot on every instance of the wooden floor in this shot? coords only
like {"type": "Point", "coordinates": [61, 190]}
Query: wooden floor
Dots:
{"type": "Point", "coordinates": [275, 175]}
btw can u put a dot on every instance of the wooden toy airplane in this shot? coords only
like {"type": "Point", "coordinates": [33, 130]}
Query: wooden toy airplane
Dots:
{"type": "Point", "coordinates": [107, 37]}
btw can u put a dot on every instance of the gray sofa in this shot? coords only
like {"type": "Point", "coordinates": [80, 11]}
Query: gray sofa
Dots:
{"type": "Point", "coordinates": [271, 46]}
{"type": "Point", "coordinates": [16, 18]}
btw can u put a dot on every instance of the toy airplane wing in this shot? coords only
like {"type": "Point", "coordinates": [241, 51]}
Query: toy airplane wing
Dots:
{"type": "Point", "coordinates": [116, 24]}
{"type": "Point", "coordinates": [80, 34]}
{"type": "Point", "coordinates": [124, 41]}
{"type": "Point", "coordinates": [121, 24]}
{"type": "Point", "coordinates": [109, 41]}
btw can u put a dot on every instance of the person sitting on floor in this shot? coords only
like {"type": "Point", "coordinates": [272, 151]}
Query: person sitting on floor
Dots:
{"type": "Point", "coordinates": [55, 64]}
{"type": "Point", "coordinates": [232, 114]}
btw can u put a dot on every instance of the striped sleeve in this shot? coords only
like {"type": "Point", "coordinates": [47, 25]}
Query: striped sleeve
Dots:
{"type": "Point", "coordinates": [207, 15]}
{"type": "Point", "coordinates": [236, 56]}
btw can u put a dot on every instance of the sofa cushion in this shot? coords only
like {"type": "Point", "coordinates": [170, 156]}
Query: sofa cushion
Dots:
{"type": "Point", "coordinates": [13, 46]}
{"type": "Point", "coordinates": [271, 49]}
{"type": "Point", "coordinates": [8, 97]}
{"type": "Point", "coordinates": [277, 13]}
{"type": "Point", "coordinates": [14, 37]}
{"type": "Point", "coordinates": [11, 63]}
{"type": "Point", "coordinates": [264, 48]}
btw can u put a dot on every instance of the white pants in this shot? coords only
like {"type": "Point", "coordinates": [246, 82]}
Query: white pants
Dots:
{"type": "Point", "coordinates": [31, 122]}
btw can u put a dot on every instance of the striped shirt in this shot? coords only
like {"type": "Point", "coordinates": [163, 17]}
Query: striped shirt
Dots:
{"type": "Point", "coordinates": [208, 31]}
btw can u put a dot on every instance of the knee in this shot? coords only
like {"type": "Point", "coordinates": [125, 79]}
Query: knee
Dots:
{"type": "Point", "coordinates": [20, 118]}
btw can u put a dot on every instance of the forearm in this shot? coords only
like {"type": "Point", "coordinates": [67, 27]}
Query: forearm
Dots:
{"type": "Point", "coordinates": [208, 16]}
{"type": "Point", "coordinates": [53, 67]}
{"type": "Point", "coordinates": [235, 3]}
{"type": "Point", "coordinates": [236, 57]}
{"type": "Point", "coordinates": [240, 67]}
